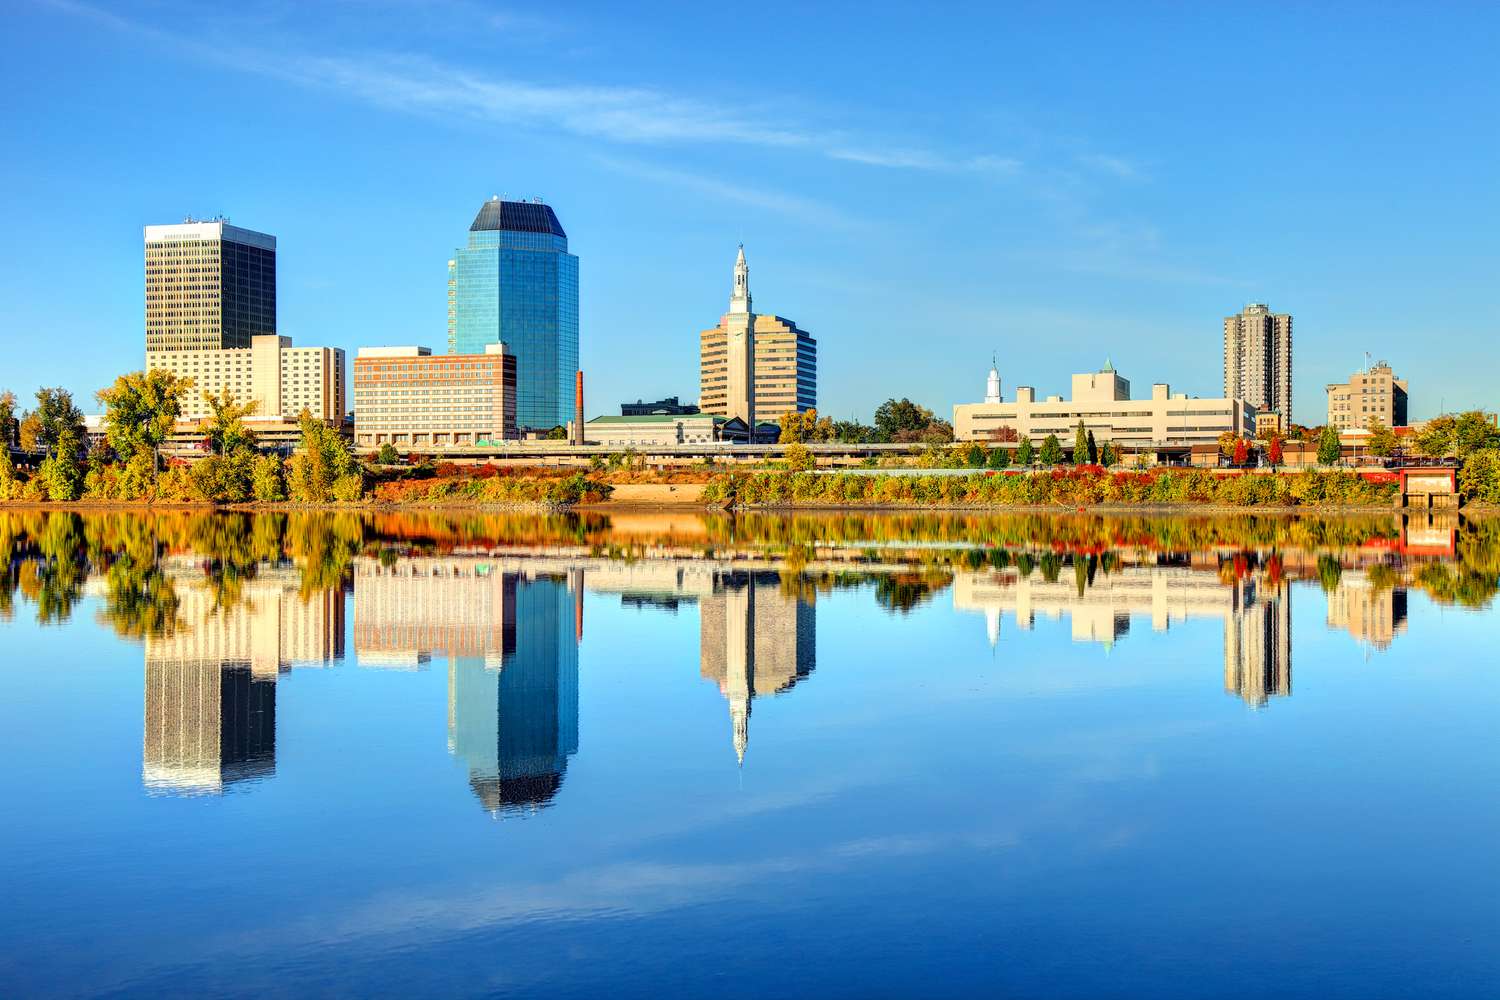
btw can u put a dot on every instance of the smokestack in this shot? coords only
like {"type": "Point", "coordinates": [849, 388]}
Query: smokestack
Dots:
{"type": "Point", "coordinates": [578, 408]}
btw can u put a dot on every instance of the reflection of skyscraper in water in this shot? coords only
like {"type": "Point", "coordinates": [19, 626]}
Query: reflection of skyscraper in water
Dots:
{"type": "Point", "coordinates": [210, 699]}
{"type": "Point", "coordinates": [754, 640]}
{"type": "Point", "coordinates": [515, 722]}
{"type": "Point", "coordinates": [209, 723]}
{"type": "Point", "coordinates": [1258, 644]}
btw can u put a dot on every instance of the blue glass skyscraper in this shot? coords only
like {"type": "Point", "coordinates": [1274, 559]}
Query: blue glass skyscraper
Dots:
{"type": "Point", "coordinates": [516, 282]}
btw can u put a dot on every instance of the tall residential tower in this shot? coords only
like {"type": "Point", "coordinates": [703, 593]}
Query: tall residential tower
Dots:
{"type": "Point", "coordinates": [516, 283]}
{"type": "Point", "coordinates": [1258, 359]}
{"type": "Point", "coordinates": [209, 286]}
{"type": "Point", "coordinates": [755, 367]}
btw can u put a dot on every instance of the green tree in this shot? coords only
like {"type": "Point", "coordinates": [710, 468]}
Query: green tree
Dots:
{"type": "Point", "coordinates": [1107, 456]}
{"type": "Point", "coordinates": [224, 427]}
{"type": "Point", "coordinates": [61, 473]}
{"type": "Point", "coordinates": [798, 458]}
{"type": "Point", "coordinates": [1479, 479]}
{"type": "Point", "coordinates": [29, 432]}
{"type": "Point", "coordinates": [57, 417]}
{"type": "Point", "coordinates": [1051, 453]}
{"type": "Point", "coordinates": [1080, 445]}
{"type": "Point", "coordinates": [323, 468]}
{"type": "Point", "coordinates": [999, 458]}
{"type": "Point", "coordinates": [9, 425]}
{"type": "Point", "coordinates": [558, 433]}
{"type": "Point", "coordinates": [268, 484]}
{"type": "Point", "coordinates": [1025, 453]}
{"type": "Point", "coordinates": [139, 411]}
{"type": "Point", "coordinates": [1328, 446]}
{"type": "Point", "coordinates": [10, 485]}
{"type": "Point", "coordinates": [896, 417]}
{"type": "Point", "coordinates": [1093, 449]}
{"type": "Point", "coordinates": [1382, 440]}
{"type": "Point", "coordinates": [1438, 437]}
{"type": "Point", "coordinates": [1475, 430]}
{"type": "Point", "coordinates": [975, 456]}
{"type": "Point", "coordinates": [853, 432]}
{"type": "Point", "coordinates": [388, 455]}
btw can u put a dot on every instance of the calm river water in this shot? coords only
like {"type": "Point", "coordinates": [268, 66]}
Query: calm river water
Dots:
{"type": "Point", "coordinates": [874, 755]}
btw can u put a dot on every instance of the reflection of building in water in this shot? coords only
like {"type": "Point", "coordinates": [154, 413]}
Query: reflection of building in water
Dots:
{"type": "Point", "coordinates": [1373, 615]}
{"type": "Point", "coordinates": [1258, 644]}
{"type": "Point", "coordinates": [210, 706]}
{"type": "Point", "coordinates": [406, 612]}
{"type": "Point", "coordinates": [1257, 622]}
{"type": "Point", "coordinates": [270, 626]}
{"type": "Point", "coordinates": [754, 640]}
{"type": "Point", "coordinates": [512, 647]}
{"type": "Point", "coordinates": [515, 724]}
{"type": "Point", "coordinates": [209, 723]}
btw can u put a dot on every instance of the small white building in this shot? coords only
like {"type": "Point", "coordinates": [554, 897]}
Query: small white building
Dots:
{"type": "Point", "coordinates": [1102, 401]}
{"type": "Point", "coordinates": [659, 429]}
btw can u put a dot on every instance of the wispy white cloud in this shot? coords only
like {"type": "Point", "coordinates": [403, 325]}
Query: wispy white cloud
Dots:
{"type": "Point", "coordinates": [713, 187]}
{"type": "Point", "coordinates": [1115, 166]}
{"type": "Point", "coordinates": [621, 114]}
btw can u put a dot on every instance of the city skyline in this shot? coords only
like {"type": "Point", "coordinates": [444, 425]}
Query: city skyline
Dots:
{"type": "Point", "coordinates": [987, 229]}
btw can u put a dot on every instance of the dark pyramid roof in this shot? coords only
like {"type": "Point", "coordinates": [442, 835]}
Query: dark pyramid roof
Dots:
{"type": "Point", "coordinates": [517, 217]}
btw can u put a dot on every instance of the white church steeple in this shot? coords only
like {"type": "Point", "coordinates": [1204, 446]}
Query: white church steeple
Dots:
{"type": "Point", "coordinates": [739, 302]}
{"type": "Point", "coordinates": [992, 384]}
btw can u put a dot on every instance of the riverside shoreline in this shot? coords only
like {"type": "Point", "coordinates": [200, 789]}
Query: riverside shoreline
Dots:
{"type": "Point", "coordinates": [691, 503]}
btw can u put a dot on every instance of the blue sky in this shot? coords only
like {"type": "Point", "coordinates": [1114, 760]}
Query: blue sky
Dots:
{"type": "Point", "coordinates": [918, 186]}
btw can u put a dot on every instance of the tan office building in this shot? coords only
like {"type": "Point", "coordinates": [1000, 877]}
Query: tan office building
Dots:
{"type": "Point", "coordinates": [410, 398]}
{"type": "Point", "coordinates": [282, 379]}
{"type": "Point", "coordinates": [755, 367]}
{"type": "Point", "coordinates": [209, 286]}
{"type": "Point", "coordinates": [1102, 401]}
{"type": "Point", "coordinates": [1373, 394]}
{"type": "Point", "coordinates": [1258, 359]}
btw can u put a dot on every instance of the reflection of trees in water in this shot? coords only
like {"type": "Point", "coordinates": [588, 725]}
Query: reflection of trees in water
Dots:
{"type": "Point", "coordinates": [904, 592]}
{"type": "Point", "coordinates": [46, 556]}
{"type": "Point", "coordinates": [1329, 573]}
{"type": "Point", "coordinates": [140, 600]}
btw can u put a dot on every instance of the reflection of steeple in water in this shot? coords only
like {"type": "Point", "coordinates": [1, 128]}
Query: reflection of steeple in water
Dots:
{"type": "Point", "coordinates": [754, 640]}
{"type": "Point", "coordinates": [515, 722]}
{"type": "Point", "coordinates": [1099, 607]}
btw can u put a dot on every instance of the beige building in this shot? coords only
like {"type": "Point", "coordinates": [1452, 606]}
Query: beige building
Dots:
{"type": "Point", "coordinates": [1373, 394]}
{"type": "Point", "coordinates": [1258, 359]}
{"type": "Point", "coordinates": [284, 380]}
{"type": "Point", "coordinates": [1102, 401]}
{"type": "Point", "coordinates": [209, 285]}
{"type": "Point", "coordinates": [1268, 423]}
{"type": "Point", "coordinates": [755, 367]}
{"type": "Point", "coordinates": [410, 398]}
